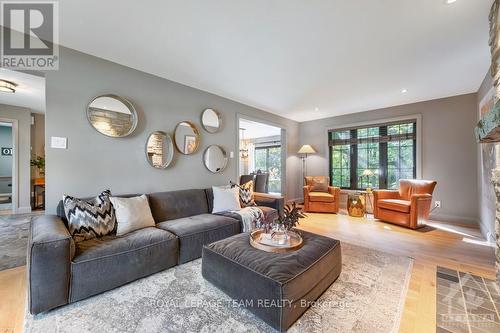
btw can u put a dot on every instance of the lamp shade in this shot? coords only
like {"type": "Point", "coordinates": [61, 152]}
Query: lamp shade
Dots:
{"type": "Point", "coordinates": [306, 149]}
{"type": "Point", "coordinates": [368, 173]}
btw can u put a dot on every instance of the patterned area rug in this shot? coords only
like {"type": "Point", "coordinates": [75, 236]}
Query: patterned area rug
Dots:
{"type": "Point", "coordinates": [14, 230]}
{"type": "Point", "coordinates": [368, 297]}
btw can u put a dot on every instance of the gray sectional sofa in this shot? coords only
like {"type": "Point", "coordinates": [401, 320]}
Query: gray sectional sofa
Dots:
{"type": "Point", "coordinates": [62, 271]}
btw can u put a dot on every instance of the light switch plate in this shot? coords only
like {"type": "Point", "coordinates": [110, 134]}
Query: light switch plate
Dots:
{"type": "Point", "coordinates": [58, 142]}
{"type": "Point", "coordinates": [231, 154]}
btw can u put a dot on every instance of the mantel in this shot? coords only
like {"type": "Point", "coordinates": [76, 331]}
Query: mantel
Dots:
{"type": "Point", "coordinates": [488, 128]}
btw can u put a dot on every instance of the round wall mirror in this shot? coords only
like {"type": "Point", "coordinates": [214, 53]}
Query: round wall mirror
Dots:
{"type": "Point", "coordinates": [159, 150]}
{"type": "Point", "coordinates": [186, 137]}
{"type": "Point", "coordinates": [211, 120]}
{"type": "Point", "coordinates": [112, 115]}
{"type": "Point", "coordinates": [215, 158]}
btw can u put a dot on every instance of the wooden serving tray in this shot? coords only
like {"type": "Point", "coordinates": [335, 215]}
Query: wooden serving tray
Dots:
{"type": "Point", "coordinates": [294, 243]}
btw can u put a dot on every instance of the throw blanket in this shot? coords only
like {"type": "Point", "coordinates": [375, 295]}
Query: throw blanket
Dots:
{"type": "Point", "coordinates": [250, 217]}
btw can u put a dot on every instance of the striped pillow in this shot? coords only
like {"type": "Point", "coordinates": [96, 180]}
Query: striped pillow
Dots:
{"type": "Point", "coordinates": [90, 219]}
{"type": "Point", "coordinates": [246, 194]}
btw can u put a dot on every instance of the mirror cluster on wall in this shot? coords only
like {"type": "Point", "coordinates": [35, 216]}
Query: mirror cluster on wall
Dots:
{"type": "Point", "coordinates": [159, 150]}
{"type": "Point", "coordinates": [186, 137]}
{"type": "Point", "coordinates": [116, 117]}
{"type": "Point", "coordinates": [112, 115]}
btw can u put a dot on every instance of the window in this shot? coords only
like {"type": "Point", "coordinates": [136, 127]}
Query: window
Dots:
{"type": "Point", "coordinates": [268, 159]}
{"type": "Point", "coordinates": [375, 156]}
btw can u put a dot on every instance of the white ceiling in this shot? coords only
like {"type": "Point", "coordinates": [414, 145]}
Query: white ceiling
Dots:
{"type": "Point", "coordinates": [300, 59]}
{"type": "Point", "coordinates": [30, 90]}
{"type": "Point", "coordinates": [254, 130]}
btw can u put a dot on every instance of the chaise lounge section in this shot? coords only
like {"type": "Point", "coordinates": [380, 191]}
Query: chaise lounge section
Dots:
{"type": "Point", "coordinates": [62, 271]}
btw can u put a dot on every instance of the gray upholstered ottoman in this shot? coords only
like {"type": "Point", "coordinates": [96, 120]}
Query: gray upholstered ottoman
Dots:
{"type": "Point", "coordinates": [278, 288]}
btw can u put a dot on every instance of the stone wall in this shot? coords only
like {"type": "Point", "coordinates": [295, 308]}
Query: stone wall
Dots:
{"type": "Point", "coordinates": [496, 182]}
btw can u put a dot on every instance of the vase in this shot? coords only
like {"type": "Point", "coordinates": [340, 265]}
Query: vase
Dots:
{"type": "Point", "coordinates": [280, 235]}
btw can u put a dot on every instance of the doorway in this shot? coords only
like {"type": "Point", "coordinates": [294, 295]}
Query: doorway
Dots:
{"type": "Point", "coordinates": [261, 153]}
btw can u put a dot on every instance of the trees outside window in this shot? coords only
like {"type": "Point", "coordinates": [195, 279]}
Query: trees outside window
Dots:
{"type": "Point", "coordinates": [387, 150]}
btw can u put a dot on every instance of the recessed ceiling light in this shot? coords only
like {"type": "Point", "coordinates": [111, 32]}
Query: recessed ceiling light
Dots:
{"type": "Point", "coordinates": [404, 91]}
{"type": "Point", "coordinates": [7, 86]}
{"type": "Point", "coordinates": [450, 1]}
{"type": "Point", "coordinates": [316, 109]}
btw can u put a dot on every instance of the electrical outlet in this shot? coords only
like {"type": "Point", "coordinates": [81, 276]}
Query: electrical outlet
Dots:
{"type": "Point", "coordinates": [437, 204]}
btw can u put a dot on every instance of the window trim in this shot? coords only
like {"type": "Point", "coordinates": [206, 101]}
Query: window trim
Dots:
{"type": "Point", "coordinates": [417, 118]}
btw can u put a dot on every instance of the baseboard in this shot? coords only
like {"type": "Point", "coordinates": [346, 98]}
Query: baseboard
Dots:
{"type": "Point", "coordinates": [23, 210]}
{"type": "Point", "coordinates": [487, 233]}
{"type": "Point", "coordinates": [459, 220]}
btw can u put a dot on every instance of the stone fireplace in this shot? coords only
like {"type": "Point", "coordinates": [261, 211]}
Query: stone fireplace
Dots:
{"type": "Point", "coordinates": [496, 182]}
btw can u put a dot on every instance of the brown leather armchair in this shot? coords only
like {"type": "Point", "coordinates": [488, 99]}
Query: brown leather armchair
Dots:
{"type": "Point", "coordinates": [409, 206]}
{"type": "Point", "coordinates": [319, 196]}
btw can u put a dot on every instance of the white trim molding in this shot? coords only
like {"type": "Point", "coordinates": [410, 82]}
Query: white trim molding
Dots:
{"type": "Point", "coordinates": [15, 164]}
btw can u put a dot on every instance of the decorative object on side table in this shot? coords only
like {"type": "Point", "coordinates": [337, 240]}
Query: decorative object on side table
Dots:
{"type": "Point", "coordinates": [279, 238]}
{"type": "Point", "coordinates": [356, 205]}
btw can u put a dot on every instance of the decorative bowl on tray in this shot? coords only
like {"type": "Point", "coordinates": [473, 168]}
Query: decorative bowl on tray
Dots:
{"type": "Point", "coordinates": [277, 242]}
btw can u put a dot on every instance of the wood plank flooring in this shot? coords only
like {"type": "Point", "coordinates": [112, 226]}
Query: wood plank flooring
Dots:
{"type": "Point", "coordinates": [440, 244]}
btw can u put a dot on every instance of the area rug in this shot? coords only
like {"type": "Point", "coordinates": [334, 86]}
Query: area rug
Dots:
{"type": "Point", "coordinates": [14, 230]}
{"type": "Point", "coordinates": [367, 297]}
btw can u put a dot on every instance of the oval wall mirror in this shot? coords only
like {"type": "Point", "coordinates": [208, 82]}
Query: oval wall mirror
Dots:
{"type": "Point", "coordinates": [211, 120]}
{"type": "Point", "coordinates": [112, 116]}
{"type": "Point", "coordinates": [186, 137]}
{"type": "Point", "coordinates": [215, 158]}
{"type": "Point", "coordinates": [159, 150]}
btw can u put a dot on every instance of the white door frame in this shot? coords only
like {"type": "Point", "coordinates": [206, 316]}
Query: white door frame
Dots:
{"type": "Point", "coordinates": [15, 163]}
{"type": "Point", "coordinates": [284, 152]}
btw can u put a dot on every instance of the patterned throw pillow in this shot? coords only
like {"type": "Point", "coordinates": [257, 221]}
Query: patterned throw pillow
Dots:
{"type": "Point", "coordinates": [90, 219]}
{"type": "Point", "coordinates": [246, 194]}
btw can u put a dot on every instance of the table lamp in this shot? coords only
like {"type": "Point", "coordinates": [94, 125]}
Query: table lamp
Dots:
{"type": "Point", "coordinates": [368, 173]}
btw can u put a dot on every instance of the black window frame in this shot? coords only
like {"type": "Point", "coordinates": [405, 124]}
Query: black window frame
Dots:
{"type": "Point", "coordinates": [382, 140]}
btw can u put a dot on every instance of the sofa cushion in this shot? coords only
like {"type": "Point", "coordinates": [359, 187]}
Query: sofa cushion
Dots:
{"type": "Point", "coordinates": [402, 206]}
{"type": "Point", "coordinates": [108, 262]}
{"type": "Point", "coordinates": [318, 183]}
{"type": "Point", "coordinates": [177, 204]}
{"type": "Point", "coordinates": [321, 197]}
{"type": "Point", "coordinates": [196, 231]}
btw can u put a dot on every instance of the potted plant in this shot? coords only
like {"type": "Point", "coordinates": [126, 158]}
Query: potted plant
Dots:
{"type": "Point", "coordinates": [286, 222]}
{"type": "Point", "coordinates": [39, 163]}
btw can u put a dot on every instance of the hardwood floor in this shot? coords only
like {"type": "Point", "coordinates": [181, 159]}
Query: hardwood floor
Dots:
{"type": "Point", "coordinates": [440, 244]}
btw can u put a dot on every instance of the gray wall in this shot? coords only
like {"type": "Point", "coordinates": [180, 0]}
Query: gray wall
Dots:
{"type": "Point", "coordinates": [449, 151]}
{"type": "Point", "coordinates": [94, 162]}
{"type": "Point", "coordinates": [23, 116]}
{"type": "Point", "coordinates": [486, 161]}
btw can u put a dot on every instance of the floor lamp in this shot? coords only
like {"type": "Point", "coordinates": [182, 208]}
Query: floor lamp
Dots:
{"type": "Point", "coordinates": [304, 150]}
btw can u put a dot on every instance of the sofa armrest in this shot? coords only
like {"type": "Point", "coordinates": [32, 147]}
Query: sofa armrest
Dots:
{"type": "Point", "coordinates": [270, 200]}
{"type": "Point", "coordinates": [335, 191]}
{"type": "Point", "coordinates": [50, 251]}
{"type": "Point", "coordinates": [420, 209]}
{"type": "Point", "coordinates": [380, 195]}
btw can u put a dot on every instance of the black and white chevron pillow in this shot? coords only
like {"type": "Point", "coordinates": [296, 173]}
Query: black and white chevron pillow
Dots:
{"type": "Point", "coordinates": [90, 219]}
{"type": "Point", "coordinates": [246, 194]}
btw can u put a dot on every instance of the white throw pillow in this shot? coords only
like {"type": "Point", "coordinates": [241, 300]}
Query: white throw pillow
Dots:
{"type": "Point", "coordinates": [132, 214]}
{"type": "Point", "coordinates": [225, 199]}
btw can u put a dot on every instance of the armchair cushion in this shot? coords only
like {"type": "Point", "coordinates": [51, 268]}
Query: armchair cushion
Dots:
{"type": "Point", "coordinates": [321, 197]}
{"type": "Point", "coordinates": [318, 183]}
{"type": "Point", "coordinates": [396, 205]}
